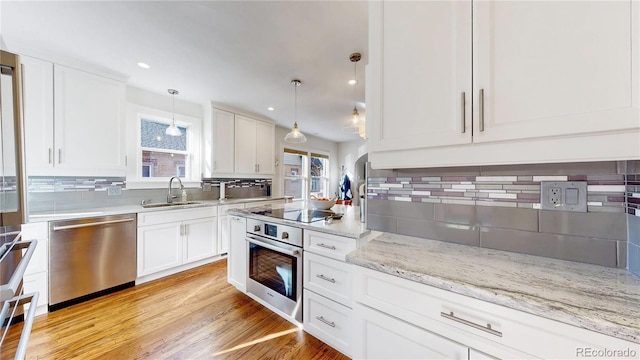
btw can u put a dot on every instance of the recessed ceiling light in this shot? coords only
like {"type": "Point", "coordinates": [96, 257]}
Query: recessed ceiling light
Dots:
{"type": "Point", "coordinates": [144, 65]}
{"type": "Point", "coordinates": [270, 108]}
{"type": "Point", "coordinates": [353, 82]}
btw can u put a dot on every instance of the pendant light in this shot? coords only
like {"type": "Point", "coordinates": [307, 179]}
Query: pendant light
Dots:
{"type": "Point", "coordinates": [353, 123]}
{"type": "Point", "coordinates": [295, 136]}
{"type": "Point", "coordinates": [173, 129]}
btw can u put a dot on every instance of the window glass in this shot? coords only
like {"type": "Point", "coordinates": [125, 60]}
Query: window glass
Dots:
{"type": "Point", "coordinates": [295, 168]}
{"type": "Point", "coordinates": [163, 155]}
{"type": "Point", "coordinates": [319, 179]}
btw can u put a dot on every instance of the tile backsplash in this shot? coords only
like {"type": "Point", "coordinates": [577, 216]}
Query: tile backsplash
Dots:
{"type": "Point", "coordinates": [498, 207]}
{"type": "Point", "coordinates": [633, 215]}
{"type": "Point", "coordinates": [53, 194]}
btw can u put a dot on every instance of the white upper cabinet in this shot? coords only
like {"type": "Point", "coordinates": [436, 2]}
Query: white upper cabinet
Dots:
{"type": "Point", "coordinates": [37, 87]}
{"type": "Point", "coordinates": [553, 81]}
{"type": "Point", "coordinates": [424, 55]}
{"type": "Point", "coordinates": [265, 147]}
{"type": "Point", "coordinates": [223, 140]}
{"type": "Point", "coordinates": [552, 68]}
{"type": "Point", "coordinates": [254, 146]}
{"type": "Point", "coordinates": [74, 121]}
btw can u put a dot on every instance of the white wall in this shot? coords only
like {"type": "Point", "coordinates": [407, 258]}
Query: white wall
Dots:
{"type": "Point", "coordinates": [162, 101]}
{"type": "Point", "coordinates": [313, 144]}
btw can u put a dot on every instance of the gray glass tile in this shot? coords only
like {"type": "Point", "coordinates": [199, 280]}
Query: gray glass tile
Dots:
{"type": "Point", "coordinates": [633, 224]}
{"type": "Point", "coordinates": [574, 248]}
{"type": "Point", "coordinates": [507, 218]}
{"type": "Point", "coordinates": [622, 254]}
{"type": "Point", "coordinates": [400, 209]}
{"type": "Point", "coordinates": [455, 214]}
{"type": "Point", "coordinates": [381, 223]}
{"type": "Point", "coordinates": [601, 225]}
{"type": "Point", "coordinates": [460, 234]}
{"type": "Point", "coordinates": [634, 258]}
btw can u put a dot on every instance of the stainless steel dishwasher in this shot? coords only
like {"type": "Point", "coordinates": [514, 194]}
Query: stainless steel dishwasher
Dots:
{"type": "Point", "coordinates": [90, 257]}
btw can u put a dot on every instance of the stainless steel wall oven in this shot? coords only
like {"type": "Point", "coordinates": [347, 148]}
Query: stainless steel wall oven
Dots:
{"type": "Point", "coordinates": [274, 254]}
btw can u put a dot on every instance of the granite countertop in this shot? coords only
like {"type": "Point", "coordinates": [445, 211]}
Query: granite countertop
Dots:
{"type": "Point", "coordinates": [597, 298]}
{"type": "Point", "coordinates": [137, 208]}
{"type": "Point", "coordinates": [348, 226]}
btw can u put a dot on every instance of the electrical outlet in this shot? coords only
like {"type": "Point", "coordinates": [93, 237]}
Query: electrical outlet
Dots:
{"type": "Point", "coordinates": [555, 196]}
{"type": "Point", "coordinates": [206, 187]}
{"type": "Point", "coordinates": [114, 190]}
{"type": "Point", "coordinates": [563, 195]}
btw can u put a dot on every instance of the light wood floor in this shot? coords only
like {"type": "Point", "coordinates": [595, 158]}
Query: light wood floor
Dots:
{"type": "Point", "coordinates": [192, 315]}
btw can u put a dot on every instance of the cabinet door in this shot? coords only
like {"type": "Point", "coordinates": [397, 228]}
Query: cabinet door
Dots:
{"type": "Point", "coordinates": [37, 88]}
{"type": "Point", "coordinates": [223, 138]}
{"type": "Point", "coordinates": [159, 248]}
{"type": "Point", "coordinates": [380, 336]}
{"type": "Point", "coordinates": [200, 239]}
{"type": "Point", "coordinates": [552, 68]}
{"type": "Point", "coordinates": [237, 259]}
{"type": "Point", "coordinates": [265, 148]}
{"type": "Point", "coordinates": [245, 145]}
{"type": "Point", "coordinates": [421, 52]}
{"type": "Point", "coordinates": [89, 123]}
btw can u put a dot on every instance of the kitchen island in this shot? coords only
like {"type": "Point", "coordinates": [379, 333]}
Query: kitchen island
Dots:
{"type": "Point", "coordinates": [604, 301]}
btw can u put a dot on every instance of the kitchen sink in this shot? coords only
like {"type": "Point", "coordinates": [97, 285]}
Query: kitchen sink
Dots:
{"type": "Point", "coordinates": [175, 203]}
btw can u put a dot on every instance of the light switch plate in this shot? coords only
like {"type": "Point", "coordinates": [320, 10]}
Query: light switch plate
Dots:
{"type": "Point", "coordinates": [563, 195]}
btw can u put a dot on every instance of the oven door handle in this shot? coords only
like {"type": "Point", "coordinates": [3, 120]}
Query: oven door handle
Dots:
{"type": "Point", "coordinates": [274, 247]}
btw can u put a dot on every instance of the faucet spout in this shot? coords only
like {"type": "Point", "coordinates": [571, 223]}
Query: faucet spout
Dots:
{"type": "Point", "coordinates": [170, 196]}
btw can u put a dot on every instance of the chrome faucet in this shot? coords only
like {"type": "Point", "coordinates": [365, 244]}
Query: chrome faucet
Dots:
{"type": "Point", "coordinates": [170, 197]}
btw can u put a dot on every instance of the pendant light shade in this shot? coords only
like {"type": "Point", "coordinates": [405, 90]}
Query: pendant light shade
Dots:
{"type": "Point", "coordinates": [173, 130]}
{"type": "Point", "coordinates": [295, 136]}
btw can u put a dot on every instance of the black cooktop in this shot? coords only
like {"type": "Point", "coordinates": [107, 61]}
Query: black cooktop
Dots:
{"type": "Point", "coordinates": [300, 215]}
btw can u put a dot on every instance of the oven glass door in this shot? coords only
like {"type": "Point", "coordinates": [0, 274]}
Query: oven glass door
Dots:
{"type": "Point", "coordinates": [274, 268]}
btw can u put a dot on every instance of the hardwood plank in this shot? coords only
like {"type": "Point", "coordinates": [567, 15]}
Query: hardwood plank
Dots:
{"type": "Point", "coordinates": [195, 314]}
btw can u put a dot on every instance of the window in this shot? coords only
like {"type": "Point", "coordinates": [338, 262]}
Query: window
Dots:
{"type": "Point", "coordinates": [305, 174]}
{"type": "Point", "coordinates": [319, 175]}
{"type": "Point", "coordinates": [163, 155]}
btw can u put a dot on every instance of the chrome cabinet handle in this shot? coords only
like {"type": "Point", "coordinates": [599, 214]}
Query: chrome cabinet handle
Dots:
{"type": "Point", "coordinates": [481, 125]}
{"type": "Point", "coordinates": [60, 156]}
{"type": "Point", "coordinates": [464, 120]}
{"type": "Point", "coordinates": [50, 154]}
{"type": "Point", "coordinates": [487, 328]}
{"type": "Point", "coordinates": [322, 319]}
{"type": "Point", "coordinates": [65, 227]}
{"type": "Point", "coordinates": [331, 280]}
{"type": "Point", "coordinates": [322, 245]}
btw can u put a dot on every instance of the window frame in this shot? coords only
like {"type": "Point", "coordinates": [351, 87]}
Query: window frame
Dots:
{"type": "Point", "coordinates": [137, 113]}
{"type": "Point", "coordinates": [306, 171]}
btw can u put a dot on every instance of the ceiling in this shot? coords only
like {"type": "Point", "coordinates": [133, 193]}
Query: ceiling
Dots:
{"type": "Point", "coordinates": [240, 54]}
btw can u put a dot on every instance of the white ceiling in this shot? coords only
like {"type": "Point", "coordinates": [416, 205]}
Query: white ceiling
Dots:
{"type": "Point", "coordinates": [241, 54]}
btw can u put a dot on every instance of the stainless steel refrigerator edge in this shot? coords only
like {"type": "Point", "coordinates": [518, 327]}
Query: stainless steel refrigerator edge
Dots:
{"type": "Point", "coordinates": [12, 187]}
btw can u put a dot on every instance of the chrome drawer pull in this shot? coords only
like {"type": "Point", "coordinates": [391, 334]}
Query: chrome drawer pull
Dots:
{"type": "Point", "coordinates": [464, 120]}
{"type": "Point", "coordinates": [330, 247]}
{"type": "Point", "coordinates": [326, 278]}
{"type": "Point", "coordinates": [322, 319]}
{"type": "Point", "coordinates": [487, 328]}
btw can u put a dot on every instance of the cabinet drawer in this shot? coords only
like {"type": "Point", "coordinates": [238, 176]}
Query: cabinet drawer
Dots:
{"type": "Point", "coordinates": [328, 277]}
{"type": "Point", "coordinates": [166, 216]}
{"type": "Point", "coordinates": [333, 246]}
{"type": "Point", "coordinates": [424, 306]}
{"type": "Point", "coordinates": [328, 321]}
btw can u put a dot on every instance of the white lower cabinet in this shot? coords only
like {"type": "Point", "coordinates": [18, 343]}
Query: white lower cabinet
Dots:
{"type": "Point", "coordinates": [36, 276]}
{"type": "Point", "coordinates": [388, 308]}
{"type": "Point", "coordinates": [381, 336]}
{"type": "Point", "coordinates": [327, 301]}
{"type": "Point", "coordinates": [327, 320]}
{"type": "Point", "coordinates": [174, 240]}
{"type": "Point", "coordinates": [237, 258]}
{"type": "Point", "coordinates": [223, 226]}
